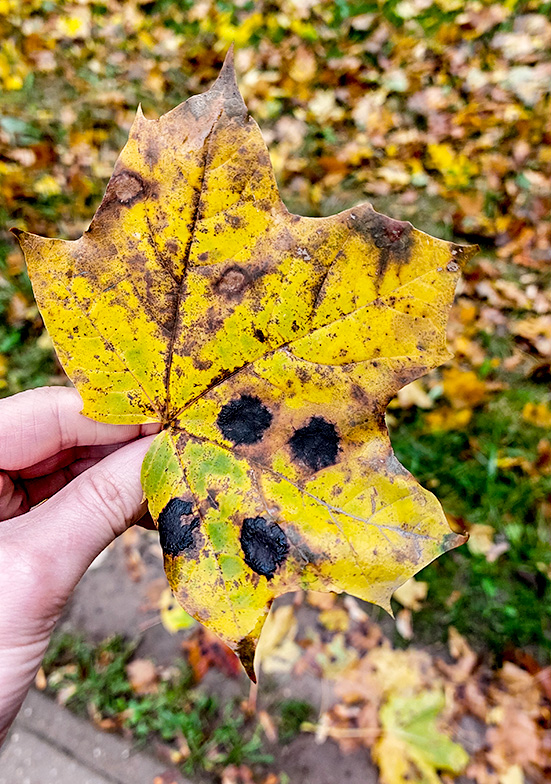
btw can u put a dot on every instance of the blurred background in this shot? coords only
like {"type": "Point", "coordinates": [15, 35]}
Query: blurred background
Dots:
{"type": "Point", "coordinates": [437, 112]}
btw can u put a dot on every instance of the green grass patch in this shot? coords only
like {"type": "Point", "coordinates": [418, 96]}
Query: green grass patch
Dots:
{"type": "Point", "coordinates": [502, 604]}
{"type": "Point", "coordinates": [25, 360]}
{"type": "Point", "coordinates": [95, 679]}
{"type": "Point", "coordinates": [293, 713]}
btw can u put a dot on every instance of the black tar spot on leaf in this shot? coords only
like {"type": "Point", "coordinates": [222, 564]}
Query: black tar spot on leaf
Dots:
{"type": "Point", "coordinates": [176, 535]}
{"type": "Point", "coordinates": [244, 420]}
{"type": "Point", "coordinates": [264, 544]}
{"type": "Point", "coordinates": [316, 445]}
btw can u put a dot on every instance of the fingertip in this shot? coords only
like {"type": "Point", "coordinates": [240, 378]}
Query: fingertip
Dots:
{"type": "Point", "coordinates": [151, 429]}
{"type": "Point", "coordinates": [39, 423]}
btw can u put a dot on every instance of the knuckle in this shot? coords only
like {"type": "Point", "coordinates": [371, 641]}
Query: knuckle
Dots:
{"type": "Point", "coordinates": [99, 493]}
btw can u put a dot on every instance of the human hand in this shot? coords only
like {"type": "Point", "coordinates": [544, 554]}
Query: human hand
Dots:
{"type": "Point", "coordinates": [90, 474]}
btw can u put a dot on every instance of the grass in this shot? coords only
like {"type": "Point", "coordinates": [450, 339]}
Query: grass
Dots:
{"type": "Point", "coordinates": [497, 605]}
{"type": "Point", "coordinates": [28, 360]}
{"type": "Point", "coordinates": [94, 681]}
{"type": "Point", "coordinates": [293, 714]}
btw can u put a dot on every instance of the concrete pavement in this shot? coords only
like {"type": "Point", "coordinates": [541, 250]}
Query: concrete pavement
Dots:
{"type": "Point", "coordinates": [50, 745]}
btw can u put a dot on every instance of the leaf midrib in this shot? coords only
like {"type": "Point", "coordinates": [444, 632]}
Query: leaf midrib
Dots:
{"type": "Point", "coordinates": [180, 283]}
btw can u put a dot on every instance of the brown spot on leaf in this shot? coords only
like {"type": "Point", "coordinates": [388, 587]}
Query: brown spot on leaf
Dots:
{"type": "Point", "coordinates": [138, 260]}
{"type": "Point", "coordinates": [392, 237]}
{"type": "Point", "coordinates": [233, 220]}
{"type": "Point", "coordinates": [128, 187]}
{"type": "Point", "coordinates": [232, 282]}
{"type": "Point", "coordinates": [201, 364]}
{"type": "Point", "coordinates": [365, 400]}
{"type": "Point", "coordinates": [152, 152]}
{"type": "Point", "coordinates": [211, 497]}
{"type": "Point", "coordinates": [264, 204]}
{"type": "Point", "coordinates": [301, 549]}
{"type": "Point", "coordinates": [213, 323]}
{"type": "Point", "coordinates": [172, 247]}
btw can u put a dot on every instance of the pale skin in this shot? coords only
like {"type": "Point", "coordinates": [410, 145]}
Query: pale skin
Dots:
{"type": "Point", "coordinates": [68, 487]}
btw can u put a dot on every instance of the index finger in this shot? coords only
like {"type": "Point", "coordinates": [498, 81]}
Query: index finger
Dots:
{"type": "Point", "coordinates": [39, 423]}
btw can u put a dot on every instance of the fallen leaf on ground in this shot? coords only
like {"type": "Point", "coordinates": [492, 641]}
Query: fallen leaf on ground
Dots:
{"type": "Point", "coordinates": [404, 624]}
{"type": "Point", "coordinates": [335, 619]}
{"type": "Point", "coordinates": [464, 388]}
{"type": "Point", "coordinates": [142, 676]}
{"type": "Point", "coordinates": [465, 659]}
{"type": "Point", "coordinates": [277, 650]}
{"type": "Point", "coordinates": [481, 538]}
{"type": "Point", "coordinates": [412, 594]}
{"type": "Point", "coordinates": [412, 748]}
{"type": "Point", "coordinates": [320, 599]}
{"type": "Point", "coordinates": [206, 651]}
{"type": "Point", "coordinates": [446, 418]}
{"type": "Point", "coordinates": [173, 616]}
{"type": "Point", "coordinates": [538, 414]}
{"type": "Point", "coordinates": [414, 394]}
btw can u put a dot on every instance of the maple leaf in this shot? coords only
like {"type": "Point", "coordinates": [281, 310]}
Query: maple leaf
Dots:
{"type": "Point", "coordinates": [411, 747]}
{"type": "Point", "coordinates": [268, 345]}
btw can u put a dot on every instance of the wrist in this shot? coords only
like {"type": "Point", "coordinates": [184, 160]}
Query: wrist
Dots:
{"type": "Point", "coordinates": [18, 668]}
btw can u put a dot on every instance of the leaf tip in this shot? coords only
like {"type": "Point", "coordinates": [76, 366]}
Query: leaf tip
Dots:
{"type": "Point", "coordinates": [226, 83]}
{"type": "Point", "coordinates": [384, 601]}
{"type": "Point", "coordinates": [227, 78]}
{"type": "Point", "coordinates": [245, 650]}
{"type": "Point", "coordinates": [27, 241]}
{"type": "Point", "coordinates": [17, 232]}
{"type": "Point", "coordinates": [453, 540]}
{"type": "Point", "coordinates": [140, 121]}
{"type": "Point", "coordinates": [464, 253]}
{"type": "Point", "coordinates": [229, 58]}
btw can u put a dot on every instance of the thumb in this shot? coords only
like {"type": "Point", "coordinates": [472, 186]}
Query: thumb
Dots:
{"type": "Point", "coordinates": [44, 553]}
{"type": "Point", "coordinates": [58, 540]}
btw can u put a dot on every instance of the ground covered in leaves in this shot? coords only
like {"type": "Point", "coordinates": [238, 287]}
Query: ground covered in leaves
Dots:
{"type": "Point", "coordinates": [436, 112]}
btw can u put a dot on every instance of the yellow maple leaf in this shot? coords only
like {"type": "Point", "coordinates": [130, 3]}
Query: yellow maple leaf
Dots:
{"type": "Point", "coordinates": [268, 345]}
{"type": "Point", "coordinates": [411, 747]}
{"type": "Point", "coordinates": [463, 388]}
{"type": "Point", "coordinates": [538, 414]}
{"type": "Point", "coordinates": [447, 418]}
{"type": "Point", "coordinates": [412, 594]}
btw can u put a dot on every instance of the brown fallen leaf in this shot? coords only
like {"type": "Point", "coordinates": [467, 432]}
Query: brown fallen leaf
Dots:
{"type": "Point", "coordinates": [142, 676]}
